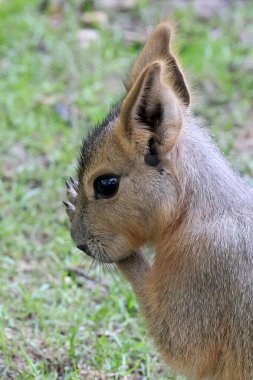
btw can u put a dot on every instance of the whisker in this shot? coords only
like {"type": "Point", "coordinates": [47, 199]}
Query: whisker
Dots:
{"type": "Point", "coordinates": [101, 265]}
{"type": "Point", "coordinates": [111, 269]}
{"type": "Point", "coordinates": [108, 266]}
{"type": "Point", "coordinates": [93, 263]}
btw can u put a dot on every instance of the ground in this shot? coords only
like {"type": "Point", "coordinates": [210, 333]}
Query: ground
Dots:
{"type": "Point", "coordinates": [61, 66]}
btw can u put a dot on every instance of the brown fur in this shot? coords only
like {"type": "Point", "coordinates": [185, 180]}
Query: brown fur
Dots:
{"type": "Point", "coordinates": [178, 193]}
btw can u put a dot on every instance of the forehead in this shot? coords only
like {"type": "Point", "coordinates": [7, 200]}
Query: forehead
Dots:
{"type": "Point", "coordinates": [95, 141]}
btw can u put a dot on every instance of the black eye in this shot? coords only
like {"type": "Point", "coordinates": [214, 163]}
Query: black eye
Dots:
{"type": "Point", "coordinates": [106, 186]}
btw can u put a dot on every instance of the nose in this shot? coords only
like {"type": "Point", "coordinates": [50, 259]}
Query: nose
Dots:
{"type": "Point", "coordinates": [84, 248]}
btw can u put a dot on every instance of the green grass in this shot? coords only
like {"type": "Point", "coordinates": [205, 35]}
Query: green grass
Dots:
{"type": "Point", "coordinates": [54, 323]}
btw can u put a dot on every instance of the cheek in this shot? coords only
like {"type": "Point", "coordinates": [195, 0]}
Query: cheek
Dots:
{"type": "Point", "coordinates": [116, 239]}
{"type": "Point", "coordinates": [131, 215]}
{"type": "Point", "coordinates": [132, 221]}
{"type": "Point", "coordinates": [119, 247]}
{"type": "Point", "coordinates": [111, 221]}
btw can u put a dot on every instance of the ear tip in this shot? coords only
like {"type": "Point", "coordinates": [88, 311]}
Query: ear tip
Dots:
{"type": "Point", "coordinates": [164, 26]}
{"type": "Point", "coordinates": [165, 30]}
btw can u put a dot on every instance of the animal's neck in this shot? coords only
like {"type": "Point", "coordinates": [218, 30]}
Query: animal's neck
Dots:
{"type": "Point", "coordinates": [208, 182]}
{"type": "Point", "coordinates": [212, 196]}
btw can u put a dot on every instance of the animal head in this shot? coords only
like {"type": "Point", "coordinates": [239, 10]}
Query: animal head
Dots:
{"type": "Point", "coordinates": [127, 189]}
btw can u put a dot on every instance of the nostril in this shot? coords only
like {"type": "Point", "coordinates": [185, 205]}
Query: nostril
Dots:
{"type": "Point", "coordinates": [84, 248]}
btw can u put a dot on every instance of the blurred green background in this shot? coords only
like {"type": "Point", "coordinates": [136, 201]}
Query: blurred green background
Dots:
{"type": "Point", "coordinates": [62, 63]}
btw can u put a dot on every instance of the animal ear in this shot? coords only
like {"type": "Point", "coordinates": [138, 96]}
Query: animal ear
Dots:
{"type": "Point", "coordinates": [157, 48]}
{"type": "Point", "coordinates": [151, 115]}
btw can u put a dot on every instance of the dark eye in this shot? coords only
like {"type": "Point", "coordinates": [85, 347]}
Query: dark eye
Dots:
{"type": "Point", "coordinates": [106, 186]}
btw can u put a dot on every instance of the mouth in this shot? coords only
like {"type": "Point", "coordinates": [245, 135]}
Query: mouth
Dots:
{"type": "Point", "coordinates": [85, 249]}
{"type": "Point", "coordinates": [95, 254]}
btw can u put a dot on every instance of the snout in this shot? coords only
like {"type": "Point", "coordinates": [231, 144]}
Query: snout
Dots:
{"type": "Point", "coordinates": [84, 248]}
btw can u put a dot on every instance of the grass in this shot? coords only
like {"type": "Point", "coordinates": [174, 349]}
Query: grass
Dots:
{"type": "Point", "coordinates": [59, 319]}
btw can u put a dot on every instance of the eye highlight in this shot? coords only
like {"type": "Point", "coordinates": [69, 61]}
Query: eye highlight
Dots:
{"type": "Point", "coordinates": [106, 186]}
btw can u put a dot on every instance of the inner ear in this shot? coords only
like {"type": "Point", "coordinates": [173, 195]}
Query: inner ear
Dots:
{"type": "Point", "coordinates": [150, 109]}
{"type": "Point", "coordinates": [157, 48]}
{"type": "Point", "coordinates": [151, 157]}
{"type": "Point", "coordinates": [150, 117]}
